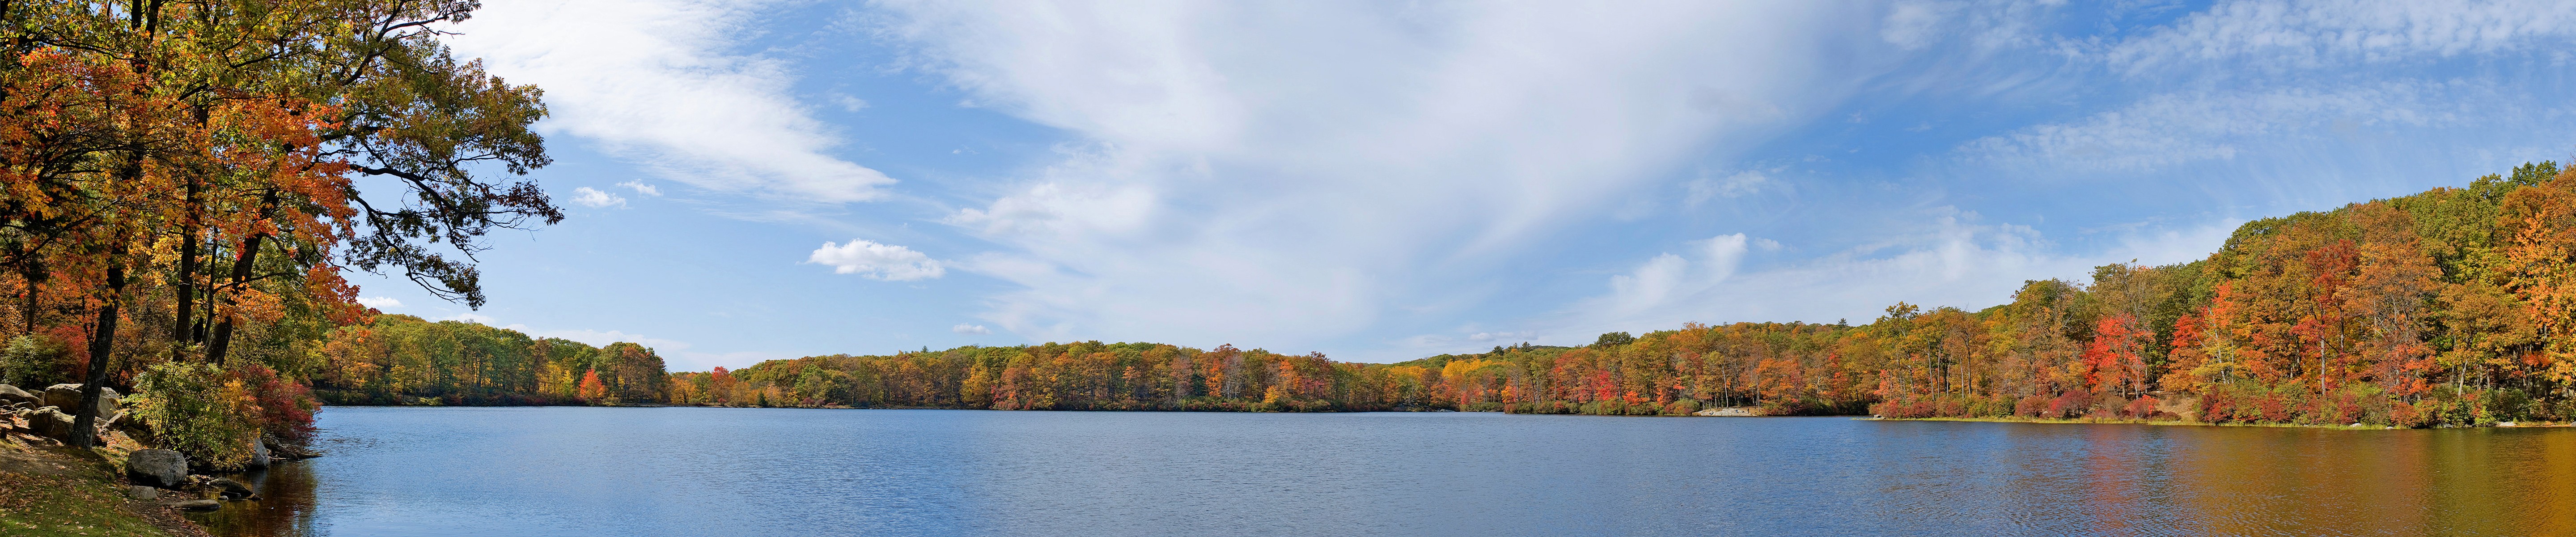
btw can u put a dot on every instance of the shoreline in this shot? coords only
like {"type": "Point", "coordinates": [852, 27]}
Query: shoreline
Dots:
{"type": "Point", "coordinates": [2191, 423]}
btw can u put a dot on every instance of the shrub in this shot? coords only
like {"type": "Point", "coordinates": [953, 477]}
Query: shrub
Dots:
{"type": "Point", "coordinates": [36, 361]}
{"type": "Point", "coordinates": [214, 415]}
{"type": "Point", "coordinates": [196, 409]}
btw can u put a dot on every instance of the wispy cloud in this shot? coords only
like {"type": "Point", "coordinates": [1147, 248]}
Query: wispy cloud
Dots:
{"type": "Point", "coordinates": [2276, 35]}
{"type": "Point", "coordinates": [1953, 260]}
{"type": "Point", "coordinates": [970, 329]}
{"type": "Point", "coordinates": [379, 302]}
{"type": "Point", "coordinates": [1298, 188]}
{"type": "Point", "coordinates": [653, 80]}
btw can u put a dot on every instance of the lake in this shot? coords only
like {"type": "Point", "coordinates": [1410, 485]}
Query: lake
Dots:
{"type": "Point", "coordinates": [756, 472]}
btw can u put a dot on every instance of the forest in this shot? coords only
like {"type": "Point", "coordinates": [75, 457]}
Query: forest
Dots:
{"type": "Point", "coordinates": [183, 186]}
{"type": "Point", "coordinates": [2455, 306]}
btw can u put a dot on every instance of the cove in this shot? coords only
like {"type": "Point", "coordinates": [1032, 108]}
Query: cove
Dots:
{"type": "Point", "coordinates": [733, 471]}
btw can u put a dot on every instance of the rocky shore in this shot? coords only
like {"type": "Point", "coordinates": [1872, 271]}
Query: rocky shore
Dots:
{"type": "Point", "coordinates": [121, 487]}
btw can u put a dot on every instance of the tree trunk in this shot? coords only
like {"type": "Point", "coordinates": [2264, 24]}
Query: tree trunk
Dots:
{"type": "Point", "coordinates": [222, 339]}
{"type": "Point", "coordinates": [85, 418]}
{"type": "Point", "coordinates": [187, 291]}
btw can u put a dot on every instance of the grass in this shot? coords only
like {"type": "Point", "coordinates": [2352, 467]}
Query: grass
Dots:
{"type": "Point", "coordinates": [55, 491]}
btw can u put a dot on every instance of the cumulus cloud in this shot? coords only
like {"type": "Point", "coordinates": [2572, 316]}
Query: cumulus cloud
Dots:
{"type": "Point", "coordinates": [592, 197]}
{"type": "Point", "coordinates": [1256, 173]}
{"type": "Point", "coordinates": [878, 261]}
{"type": "Point", "coordinates": [652, 80]}
{"type": "Point", "coordinates": [641, 188]}
{"type": "Point", "coordinates": [379, 302]}
{"type": "Point", "coordinates": [970, 329]}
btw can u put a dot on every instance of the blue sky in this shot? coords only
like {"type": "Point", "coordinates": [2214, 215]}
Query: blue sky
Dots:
{"type": "Point", "coordinates": [1382, 181]}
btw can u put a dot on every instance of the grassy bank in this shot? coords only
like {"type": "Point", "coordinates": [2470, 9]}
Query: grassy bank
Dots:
{"type": "Point", "coordinates": [48, 490]}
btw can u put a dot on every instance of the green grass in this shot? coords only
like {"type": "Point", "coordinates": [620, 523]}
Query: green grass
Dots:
{"type": "Point", "coordinates": [57, 492]}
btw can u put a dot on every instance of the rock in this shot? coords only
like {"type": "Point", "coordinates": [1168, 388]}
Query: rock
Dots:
{"type": "Point", "coordinates": [1731, 412]}
{"type": "Point", "coordinates": [199, 505]}
{"type": "Point", "coordinates": [49, 423]}
{"type": "Point", "coordinates": [11, 394]}
{"type": "Point", "coordinates": [230, 489]}
{"type": "Point", "coordinates": [2504, 424]}
{"type": "Point", "coordinates": [141, 492]}
{"type": "Point", "coordinates": [156, 467]}
{"type": "Point", "coordinates": [67, 397]}
{"type": "Point", "coordinates": [258, 454]}
{"type": "Point", "coordinates": [62, 395]}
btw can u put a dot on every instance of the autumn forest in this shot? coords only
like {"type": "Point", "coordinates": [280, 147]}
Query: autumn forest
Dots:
{"type": "Point", "coordinates": [2448, 307]}
{"type": "Point", "coordinates": [184, 185]}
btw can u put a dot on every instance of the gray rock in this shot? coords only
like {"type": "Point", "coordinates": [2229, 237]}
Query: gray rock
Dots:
{"type": "Point", "coordinates": [67, 397]}
{"type": "Point", "coordinates": [49, 423]}
{"type": "Point", "coordinates": [156, 467]}
{"type": "Point", "coordinates": [62, 395]}
{"type": "Point", "coordinates": [258, 454]}
{"type": "Point", "coordinates": [199, 505]}
{"type": "Point", "coordinates": [12, 394]}
{"type": "Point", "coordinates": [141, 492]}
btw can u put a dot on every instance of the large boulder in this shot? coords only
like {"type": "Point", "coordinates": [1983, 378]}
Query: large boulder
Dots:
{"type": "Point", "coordinates": [11, 394]}
{"type": "Point", "coordinates": [198, 505]}
{"type": "Point", "coordinates": [49, 422]}
{"type": "Point", "coordinates": [67, 397]}
{"type": "Point", "coordinates": [156, 467]}
{"type": "Point", "coordinates": [62, 395]}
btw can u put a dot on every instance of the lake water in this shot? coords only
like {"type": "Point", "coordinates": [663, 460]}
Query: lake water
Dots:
{"type": "Point", "coordinates": [754, 472]}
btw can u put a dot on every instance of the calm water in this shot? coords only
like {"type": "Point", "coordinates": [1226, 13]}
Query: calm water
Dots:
{"type": "Point", "coordinates": [722, 472]}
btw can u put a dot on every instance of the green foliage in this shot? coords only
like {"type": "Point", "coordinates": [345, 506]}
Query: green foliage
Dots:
{"type": "Point", "coordinates": [1613, 339]}
{"type": "Point", "coordinates": [197, 409]}
{"type": "Point", "coordinates": [35, 361]}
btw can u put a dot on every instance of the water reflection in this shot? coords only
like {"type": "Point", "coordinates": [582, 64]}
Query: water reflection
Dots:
{"type": "Point", "coordinates": [285, 506]}
{"type": "Point", "coordinates": [572, 471]}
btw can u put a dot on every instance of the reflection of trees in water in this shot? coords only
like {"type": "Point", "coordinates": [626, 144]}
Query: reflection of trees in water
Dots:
{"type": "Point", "coordinates": [284, 508]}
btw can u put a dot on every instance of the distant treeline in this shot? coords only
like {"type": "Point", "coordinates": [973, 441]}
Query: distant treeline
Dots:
{"type": "Point", "coordinates": [2453, 306]}
{"type": "Point", "coordinates": [1783, 366]}
{"type": "Point", "coordinates": [401, 359]}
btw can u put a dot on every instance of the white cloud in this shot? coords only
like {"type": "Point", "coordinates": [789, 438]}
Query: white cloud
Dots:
{"type": "Point", "coordinates": [1710, 186]}
{"type": "Point", "coordinates": [1951, 261]}
{"type": "Point", "coordinates": [1260, 173]}
{"type": "Point", "coordinates": [1914, 24]}
{"type": "Point", "coordinates": [849, 103]}
{"type": "Point", "coordinates": [641, 188]}
{"type": "Point", "coordinates": [970, 329]}
{"type": "Point", "coordinates": [2279, 35]}
{"type": "Point", "coordinates": [651, 80]}
{"type": "Point", "coordinates": [2172, 129]}
{"type": "Point", "coordinates": [593, 197]}
{"type": "Point", "coordinates": [379, 302]}
{"type": "Point", "coordinates": [879, 261]}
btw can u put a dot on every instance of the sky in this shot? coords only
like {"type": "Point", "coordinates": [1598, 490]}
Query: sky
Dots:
{"type": "Point", "coordinates": [1381, 181]}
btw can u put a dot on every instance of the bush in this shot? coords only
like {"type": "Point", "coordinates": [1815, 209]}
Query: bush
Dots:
{"type": "Point", "coordinates": [36, 362]}
{"type": "Point", "coordinates": [214, 415]}
{"type": "Point", "coordinates": [195, 409]}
